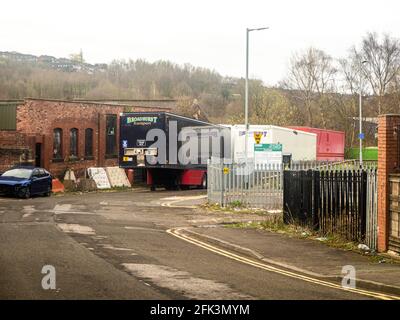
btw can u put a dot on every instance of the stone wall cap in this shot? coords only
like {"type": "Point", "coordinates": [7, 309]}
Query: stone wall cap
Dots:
{"type": "Point", "coordinates": [389, 115]}
{"type": "Point", "coordinates": [96, 103]}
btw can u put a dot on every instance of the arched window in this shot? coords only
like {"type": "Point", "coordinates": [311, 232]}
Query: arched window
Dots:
{"type": "Point", "coordinates": [89, 142]}
{"type": "Point", "coordinates": [111, 135]}
{"type": "Point", "coordinates": [57, 143]}
{"type": "Point", "coordinates": [73, 143]}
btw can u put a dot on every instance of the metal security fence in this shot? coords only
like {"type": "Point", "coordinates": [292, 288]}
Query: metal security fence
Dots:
{"type": "Point", "coordinates": [331, 165]}
{"type": "Point", "coordinates": [257, 186]}
{"type": "Point", "coordinates": [261, 185]}
{"type": "Point", "coordinates": [298, 198]}
{"type": "Point", "coordinates": [371, 236]}
{"type": "Point", "coordinates": [394, 212]}
{"type": "Point", "coordinates": [342, 202]}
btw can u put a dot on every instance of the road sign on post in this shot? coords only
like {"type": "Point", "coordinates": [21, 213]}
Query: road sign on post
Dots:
{"type": "Point", "coordinates": [257, 137]}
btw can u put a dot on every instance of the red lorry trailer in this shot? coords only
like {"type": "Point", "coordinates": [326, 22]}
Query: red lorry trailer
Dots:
{"type": "Point", "coordinates": [137, 149]}
{"type": "Point", "coordinates": [330, 143]}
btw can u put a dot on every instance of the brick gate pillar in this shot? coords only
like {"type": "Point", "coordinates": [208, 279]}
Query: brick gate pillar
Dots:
{"type": "Point", "coordinates": [388, 162]}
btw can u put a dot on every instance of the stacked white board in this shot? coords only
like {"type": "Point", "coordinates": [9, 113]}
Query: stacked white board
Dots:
{"type": "Point", "coordinates": [117, 177]}
{"type": "Point", "coordinates": [70, 175]}
{"type": "Point", "coordinates": [99, 175]}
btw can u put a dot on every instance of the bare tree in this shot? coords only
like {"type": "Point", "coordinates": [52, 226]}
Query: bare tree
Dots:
{"type": "Point", "coordinates": [311, 75]}
{"type": "Point", "coordinates": [383, 63]}
{"type": "Point", "coordinates": [347, 97]}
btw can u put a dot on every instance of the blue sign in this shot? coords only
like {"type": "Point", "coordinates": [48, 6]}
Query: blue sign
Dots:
{"type": "Point", "coordinates": [361, 136]}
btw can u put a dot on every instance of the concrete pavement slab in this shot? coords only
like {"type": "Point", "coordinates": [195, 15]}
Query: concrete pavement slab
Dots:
{"type": "Point", "coordinates": [304, 255]}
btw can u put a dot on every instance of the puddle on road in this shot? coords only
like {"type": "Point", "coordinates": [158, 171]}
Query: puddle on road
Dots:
{"type": "Point", "coordinates": [76, 228]}
{"type": "Point", "coordinates": [183, 282]}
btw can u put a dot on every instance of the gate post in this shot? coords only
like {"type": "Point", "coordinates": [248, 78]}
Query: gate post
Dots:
{"type": "Point", "coordinates": [222, 184]}
{"type": "Point", "coordinates": [316, 199]}
{"type": "Point", "coordinates": [285, 193]}
{"type": "Point", "coordinates": [388, 162]}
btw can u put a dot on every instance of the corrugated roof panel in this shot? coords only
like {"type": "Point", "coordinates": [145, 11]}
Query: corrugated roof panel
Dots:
{"type": "Point", "coordinates": [8, 116]}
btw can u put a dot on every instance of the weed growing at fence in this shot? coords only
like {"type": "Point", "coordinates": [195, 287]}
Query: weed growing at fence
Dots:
{"type": "Point", "coordinates": [273, 224]}
{"type": "Point", "coordinates": [236, 204]}
{"type": "Point", "coordinates": [293, 230]}
{"type": "Point", "coordinates": [235, 207]}
{"type": "Point", "coordinates": [336, 241]}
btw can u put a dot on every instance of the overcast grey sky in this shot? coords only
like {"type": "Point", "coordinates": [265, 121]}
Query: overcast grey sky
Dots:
{"type": "Point", "coordinates": [206, 33]}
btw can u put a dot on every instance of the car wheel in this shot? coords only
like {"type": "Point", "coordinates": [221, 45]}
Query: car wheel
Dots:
{"type": "Point", "coordinates": [24, 193]}
{"type": "Point", "coordinates": [204, 182]}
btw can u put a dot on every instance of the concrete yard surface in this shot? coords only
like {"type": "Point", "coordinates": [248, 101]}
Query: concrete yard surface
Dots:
{"type": "Point", "coordinates": [122, 245]}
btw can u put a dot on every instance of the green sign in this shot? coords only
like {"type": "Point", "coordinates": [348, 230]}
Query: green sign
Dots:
{"type": "Point", "coordinates": [268, 147]}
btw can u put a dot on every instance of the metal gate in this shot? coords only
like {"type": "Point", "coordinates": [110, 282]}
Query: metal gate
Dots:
{"type": "Point", "coordinates": [258, 186]}
{"type": "Point", "coordinates": [333, 202]}
{"type": "Point", "coordinates": [394, 213]}
{"type": "Point", "coordinates": [342, 203]}
{"type": "Point", "coordinates": [298, 198]}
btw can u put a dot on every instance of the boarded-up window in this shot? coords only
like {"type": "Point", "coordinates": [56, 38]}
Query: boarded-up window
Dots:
{"type": "Point", "coordinates": [111, 134]}
{"type": "Point", "coordinates": [89, 142]}
{"type": "Point", "coordinates": [8, 116]}
{"type": "Point", "coordinates": [73, 143]}
{"type": "Point", "coordinates": [57, 143]}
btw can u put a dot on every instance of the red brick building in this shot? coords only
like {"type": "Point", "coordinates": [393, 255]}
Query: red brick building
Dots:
{"type": "Point", "coordinates": [388, 182]}
{"type": "Point", "coordinates": [57, 134]}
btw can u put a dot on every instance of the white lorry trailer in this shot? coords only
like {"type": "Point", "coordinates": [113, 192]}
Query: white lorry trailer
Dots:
{"type": "Point", "coordinates": [300, 145]}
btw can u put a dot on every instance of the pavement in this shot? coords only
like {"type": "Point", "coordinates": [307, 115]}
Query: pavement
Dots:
{"type": "Point", "coordinates": [161, 245]}
{"type": "Point", "coordinates": [309, 257]}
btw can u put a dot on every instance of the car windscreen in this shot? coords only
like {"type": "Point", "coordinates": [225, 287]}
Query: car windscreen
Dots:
{"type": "Point", "coordinates": [18, 173]}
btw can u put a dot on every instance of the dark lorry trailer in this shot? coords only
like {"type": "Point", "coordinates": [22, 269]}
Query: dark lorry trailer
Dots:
{"type": "Point", "coordinates": [152, 141]}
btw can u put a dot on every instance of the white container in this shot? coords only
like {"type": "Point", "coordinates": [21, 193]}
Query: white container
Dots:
{"type": "Point", "coordinates": [301, 145]}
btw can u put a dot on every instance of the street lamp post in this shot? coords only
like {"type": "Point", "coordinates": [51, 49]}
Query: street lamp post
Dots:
{"type": "Point", "coordinates": [361, 135]}
{"type": "Point", "coordinates": [246, 98]}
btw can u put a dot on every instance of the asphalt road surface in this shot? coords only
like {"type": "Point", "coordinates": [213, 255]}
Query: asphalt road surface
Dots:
{"type": "Point", "coordinates": [116, 246]}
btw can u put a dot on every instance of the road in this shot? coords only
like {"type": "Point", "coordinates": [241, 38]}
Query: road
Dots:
{"type": "Point", "coordinates": [119, 245]}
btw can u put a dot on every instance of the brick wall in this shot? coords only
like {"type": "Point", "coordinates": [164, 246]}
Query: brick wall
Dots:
{"type": "Point", "coordinates": [388, 162]}
{"type": "Point", "coordinates": [37, 118]}
{"type": "Point", "coordinates": [11, 156]}
{"type": "Point", "coordinates": [13, 149]}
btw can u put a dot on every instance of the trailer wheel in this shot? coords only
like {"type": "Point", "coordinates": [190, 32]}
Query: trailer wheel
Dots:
{"type": "Point", "coordinates": [204, 181]}
{"type": "Point", "coordinates": [172, 187]}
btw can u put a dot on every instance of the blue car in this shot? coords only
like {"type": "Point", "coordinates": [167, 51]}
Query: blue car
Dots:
{"type": "Point", "coordinates": [24, 182]}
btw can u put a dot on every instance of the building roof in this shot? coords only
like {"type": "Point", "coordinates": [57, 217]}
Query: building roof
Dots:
{"type": "Point", "coordinates": [100, 102]}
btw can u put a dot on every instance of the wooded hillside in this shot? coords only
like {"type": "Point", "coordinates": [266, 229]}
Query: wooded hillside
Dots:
{"type": "Point", "coordinates": [319, 90]}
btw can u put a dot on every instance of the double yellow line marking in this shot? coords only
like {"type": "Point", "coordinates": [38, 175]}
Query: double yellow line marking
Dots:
{"type": "Point", "coordinates": [177, 233]}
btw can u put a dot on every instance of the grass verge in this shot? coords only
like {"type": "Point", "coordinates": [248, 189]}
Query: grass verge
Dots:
{"type": "Point", "coordinates": [276, 224]}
